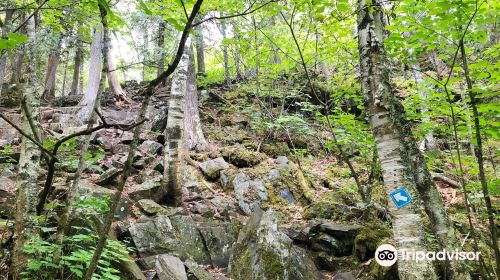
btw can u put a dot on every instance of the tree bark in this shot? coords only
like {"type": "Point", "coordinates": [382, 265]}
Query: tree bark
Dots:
{"type": "Point", "coordinates": [227, 78]}
{"type": "Point", "coordinates": [193, 134]}
{"type": "Point", "coordinates": [113, 82]}
{"type": "Point", "coordinates": [3, 59]}
{"type": "Point", "coordinates": [50, 75]}
{"type": "Point", "coordinates": [402, 162]}
{"type": "Point", "coordinates": [76, 67]}
{"type": "Point", "coordinates": [94, 76]}
{"type": "Point", "coordinates": [429, 142]}
{"type": "Point", "coordinates": [174, 129]}
{"type": "Point", "coordinates": [378, 98]}
{"type": "Point", "coordinates": [28, 169]}
{"type": "Point", "coordinates": [161, 42]}
{"type": "Point", "coordinates": [480, 159]}
{"type": "Point", "coordinates": [200, 49]}
{"type": "Point", "coordinates": [65, 75]}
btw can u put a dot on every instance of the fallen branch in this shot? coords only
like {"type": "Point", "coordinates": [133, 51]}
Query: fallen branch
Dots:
{"type": "Point", "coordinates": [445, 179]}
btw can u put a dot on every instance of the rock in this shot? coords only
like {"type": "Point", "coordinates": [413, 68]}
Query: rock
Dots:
{"type": "Point", "coordinates": [219, 237]}
{"type": "Point", "coordinates": [6, 231]}
{"type": "Point", "coordinates": [211, 168]}
{"type": "Point", "coordinates": [368, 239]}
{"type": "Point", "coordinates": [195, 272]}
{"type": "Point", "coordinates": [177, 235]}
{"type": "Point", "coordinates": [226, 176]}
{"type": "Point", "coordinates": [65, 121]}
{"type": "Point", "coordinates": [126, 137]}
{"type": "Point", "coordinates": [108, 176]}
{"type": "Point", "coordinates": [87, 188]}
{"type": "Point", "coordinates": [344, 276]}
{"type": "Point", "coordinates": [202, 209]}
{"type": "Point", "coordinates": [159, 122]}
{"type": "Point", "coordinates": [249, 193]}
{"type": "Point", "coordinates": [147, 190]}
{"type": "Point", "coordinates": [283, 162]}
{"type": "Point", "coordinates": [287, 195]}
{"type": "Point", "coordinates": [7, 197]}
{"type": "Point", "coordinates": [170, 268]}
{"type": "Point", "coordinates": [150, 207]}
{"type": "Point", "coordinates": [276, 149]}
{"type": "Point", "coordinates": [334, 239]}
{"type": "Point", "coordinates": [264, 252]}
{"type": "Point", "coordinates": [151, 147]}
{"type": "Point", "coordinates": [274, 174]}
{"type": "Point", "coordinates": [332, 210]}
{"type": "Point", "coordinates": [241, 157]}
{"type": "Point", "coordinates": [67, 100]}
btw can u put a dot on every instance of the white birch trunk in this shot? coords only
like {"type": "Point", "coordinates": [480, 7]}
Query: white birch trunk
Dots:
{"type": "Point", "coordinates": [174, 129]}
{"type": "Point", "coordinates": [113, 82]}
{"type": "Point", "coordinates": [193, 134]}
{"type": "Point", "coordinates": [94, 77]}
{"type": "Point", "coordinates": [28, 168]}
{"type": "Point", "coordinates": [406, 222]}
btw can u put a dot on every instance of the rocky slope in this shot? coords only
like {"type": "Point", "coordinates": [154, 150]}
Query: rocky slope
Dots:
{"type": "Point", "coordinates": [249, 209]}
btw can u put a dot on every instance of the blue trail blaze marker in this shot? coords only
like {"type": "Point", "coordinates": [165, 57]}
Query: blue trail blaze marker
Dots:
{"type": "Point", "coordinates": [401, 197]}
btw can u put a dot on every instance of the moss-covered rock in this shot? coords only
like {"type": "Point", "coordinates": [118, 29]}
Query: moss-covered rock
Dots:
{"type": "Point", "coordinates": [242, 157]}
{"type": "Point", "coordinates": [369, 238]}
{"type": "Point", "coordinates": [276, 149]}
{"type": "Point", "coordinates": [264, 252]}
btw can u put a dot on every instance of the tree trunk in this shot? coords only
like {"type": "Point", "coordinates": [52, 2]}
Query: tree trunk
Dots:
{"type": "Point", "coordinates": [161, 42]}
{"type": "Point", "coordinates": [174, 129]}
{"type": "Point", "coordinates": [193, 134]}
{"type": "Point", "coordinates": [94, 76]}
{"type": "Point", "coordinates": [480, 160]}
{"type": "Point", "coordinates": [76, 67]}
{"type": "Point", "coordinates": [50, 75]}
{"type": "Point", "coordinates": [28, 168]}
{"type": "Point", "coordinates": [200, 49]}
{"type": "Point", "coordinates": [65, 75]}
{"type": "Point", "coordinates": [429, 142]}
{"type": "Point", "coordinates": [113, 82]}
{"type": "Point", "coordinates": [377, 95]}
{"type": "Point", "coordinates": [402, 162]}
{"type": "Point", "coordinates": [227, 78]}
{"type": "Point", "coordinates": [3, 58]}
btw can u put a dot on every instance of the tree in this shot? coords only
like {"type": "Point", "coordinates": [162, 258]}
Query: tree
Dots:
{"type": "Point", "coordinates": [94, 75]}
{"type": "Point", "coordinates": [77, 62]}
{"type": "Point", "coordinates": [384, 113]}
{"type": "Point", "coordinates": [26, 183]}
{"type": "Point", "coordinates": [50, 75]}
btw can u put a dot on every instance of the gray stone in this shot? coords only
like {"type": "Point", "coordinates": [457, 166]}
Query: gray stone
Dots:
{"type": "Point", "coordinates": [177, 235]}
{"type": "Point", "coordinates": [195, 272]}
{"type": "Point", "coordinates": [264, 252]}
{"type": "Point", "coordinates": [274, 174]}
{"type": "Point", "coordinates": [211, 168]}
{"type": "Point", "coordinates": [150, 207]}
{"type": "Point", "coordinates": [149, 189]}
{"type": "Point", "coordinates": [249, 193]}
{"type": "Point", "coordinates": [108, 176]}
{"type": "Point", "coordinates": [202, 209]}
{"type": "Point", "coordinates": [334, 239]}
{"type": "Point", "coordinates": [151, 147]}
{"type": "Point", "coordinates": [219, 237]}
{"type": "Point", "coordinates": [287, 195]}
{"type": "Point", "coordinates": [170, 268]}
{"type": "Point", "coordinates": [344, 276]}
{"type": "Point", "coordinates": [283, 162]}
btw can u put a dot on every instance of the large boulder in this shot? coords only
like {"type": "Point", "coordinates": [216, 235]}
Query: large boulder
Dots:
{"type": "Point", "coordinates": [195, 272]}
{"type": "Point", "coordinates": [211, 168]}
{"type": "Point", "coordinates": [176, 235]}
{"type": "Point", "coordinates": [170, 268]}
{"type": "Point", "coordinates": [249, 193]}
{"type": "Point", "coordinates": [264, 252]}
{"type": "Point", "coordinates": [242, 157]}
{"type": "Point", "coordinates": [219, 237]}
{"type": "Point", "coordinates": [149, 189]}
{"type": "Point", "coordinates": [334, 239]}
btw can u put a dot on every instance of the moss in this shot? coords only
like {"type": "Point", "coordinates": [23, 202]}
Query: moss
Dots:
{"type": "Point", "coordinates": [242, 157]}
{"type": "Point", "coordinates": [271, 263]}
{"type": "Point", "coordinates": [276, 149]}
{"type": "Point", "coordinates": [369, 238]}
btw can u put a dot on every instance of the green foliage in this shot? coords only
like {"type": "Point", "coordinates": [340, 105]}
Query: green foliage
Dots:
{"type": "Point", "coordinates": [77, 248]}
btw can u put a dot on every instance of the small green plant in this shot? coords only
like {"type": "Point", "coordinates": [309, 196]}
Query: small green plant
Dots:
{"type": "Point", "coordinates": [77, 248]}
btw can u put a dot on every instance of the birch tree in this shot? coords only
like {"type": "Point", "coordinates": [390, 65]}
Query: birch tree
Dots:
{"type": "Point", "coordinates": [378, 98]}
{"type": "Point", "coordinates": [94, 76]}
{"type": "Point", "coordinates": [28, 169]}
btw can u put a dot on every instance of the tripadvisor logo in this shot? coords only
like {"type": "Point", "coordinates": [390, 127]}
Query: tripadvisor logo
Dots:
{"type": "Point", "coordinates": [387, 255]}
